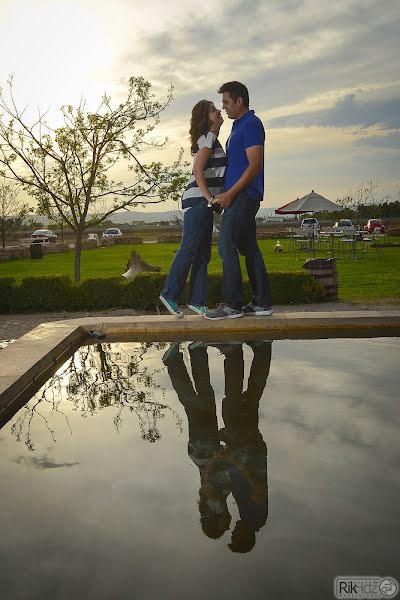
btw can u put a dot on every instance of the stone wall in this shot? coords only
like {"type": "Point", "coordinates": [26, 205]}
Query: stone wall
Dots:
{"type": "Point", "coordinates": [54, 248]}
{"type": "Point", "coordinates": [14, 252]}
{"type": "Point", "coordinates": [129, 239]}
{"type": "Point", "coordinates": [169, 238]}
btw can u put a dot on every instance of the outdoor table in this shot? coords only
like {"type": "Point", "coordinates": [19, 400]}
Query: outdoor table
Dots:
{"type": "Point", "coordinates": [332, 235]}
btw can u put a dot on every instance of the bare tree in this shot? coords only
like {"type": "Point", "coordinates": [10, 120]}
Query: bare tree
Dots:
{"type": "Point", "coordinates": [362, 194]}
{"type": "Point", "coordinates": [96, 378]}
{"type": "Point", "coordinates": [69, 170]}
{"type": "Point", "coordinates": [12, 210]}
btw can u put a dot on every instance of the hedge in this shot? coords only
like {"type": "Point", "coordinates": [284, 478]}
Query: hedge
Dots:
{"type": "Point", "coordinates": [54, 293]}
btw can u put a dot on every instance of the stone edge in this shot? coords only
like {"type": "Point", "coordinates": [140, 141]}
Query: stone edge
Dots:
{"type": "Point", "coordinates": [27, 359]}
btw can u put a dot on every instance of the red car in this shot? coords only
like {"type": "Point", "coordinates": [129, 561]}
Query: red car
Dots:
{"type": "Point", "coordinates": [374, 224]}
{"type": "Point", "coordinates": [45, 234]}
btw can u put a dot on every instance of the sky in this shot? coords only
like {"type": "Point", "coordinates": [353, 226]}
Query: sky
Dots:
{"type": "Point", "coordinates": [324, 77]}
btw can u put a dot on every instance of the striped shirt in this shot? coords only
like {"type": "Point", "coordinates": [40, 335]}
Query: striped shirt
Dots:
{"type": "Point", "coordinates": [214, 171]}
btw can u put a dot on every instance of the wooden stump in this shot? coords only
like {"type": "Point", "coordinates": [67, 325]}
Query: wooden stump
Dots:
{"type": "Point", "coordinates": [137, 265]}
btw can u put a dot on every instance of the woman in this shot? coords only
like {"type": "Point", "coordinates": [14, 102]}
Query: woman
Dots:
{"type": "Point", "coordinates": [209, 163]}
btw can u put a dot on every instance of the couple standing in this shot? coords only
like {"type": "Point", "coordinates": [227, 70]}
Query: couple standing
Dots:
{"type": "Point", "coordinates": [232, 183]}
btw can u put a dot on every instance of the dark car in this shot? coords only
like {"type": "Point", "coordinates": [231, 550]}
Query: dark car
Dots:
{"type": "Point", "coordinates": [44, 234]}
{"type": "Point", "coordinates": [374, 225]}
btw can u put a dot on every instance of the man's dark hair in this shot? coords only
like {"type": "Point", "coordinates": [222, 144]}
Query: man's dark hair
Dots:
{"type": "Point", "coordinates": [236, 90]}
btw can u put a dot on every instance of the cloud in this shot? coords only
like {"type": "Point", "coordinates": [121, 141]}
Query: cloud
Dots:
{"type": "Point", "coordinates": [391, 140]}
{"type": "Point", "coordinates": [345, 113]}
{"type": "Point", "coordinates": [284, 51]}
{"type": "Point", "coordinates": [42, 463]}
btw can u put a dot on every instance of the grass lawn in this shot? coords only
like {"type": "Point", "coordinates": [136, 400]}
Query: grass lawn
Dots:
{"type": "Point", "coordinates": [372, 279]}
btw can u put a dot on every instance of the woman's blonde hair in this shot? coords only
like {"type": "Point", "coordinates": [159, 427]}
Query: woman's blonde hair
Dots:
{"type": "Point", "coordinates": [199, 122]}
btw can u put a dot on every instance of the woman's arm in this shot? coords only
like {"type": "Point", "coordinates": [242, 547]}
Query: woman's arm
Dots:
{"type": "Point", "coordinates": [202, 157]}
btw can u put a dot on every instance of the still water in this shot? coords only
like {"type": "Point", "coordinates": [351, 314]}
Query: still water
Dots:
{"type": "Point", "coordinates": [233, 470]}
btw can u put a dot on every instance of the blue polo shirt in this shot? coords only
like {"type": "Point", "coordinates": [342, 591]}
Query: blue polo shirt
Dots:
{"type": "Point", "coordinates": [246, 132]}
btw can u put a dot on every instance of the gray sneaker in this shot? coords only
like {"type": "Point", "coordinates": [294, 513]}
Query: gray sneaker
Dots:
{"type": "Point", "coordinates": [223, 312]}
{"type": "Point", "coordinates": [257, 311]}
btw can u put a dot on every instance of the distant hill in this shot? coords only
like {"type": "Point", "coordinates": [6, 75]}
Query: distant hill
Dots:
{"type": "Point", "coordinates": [167, 215]}
{"type": "Point", "coordinates": [119, 218]}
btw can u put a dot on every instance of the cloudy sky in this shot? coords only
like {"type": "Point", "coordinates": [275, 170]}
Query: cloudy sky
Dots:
{"type": "Point", "coordinates": [323, 76]}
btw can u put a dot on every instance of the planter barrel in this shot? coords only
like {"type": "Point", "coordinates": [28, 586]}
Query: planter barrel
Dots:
{"type": "Point", "coordinates": [324, 271]}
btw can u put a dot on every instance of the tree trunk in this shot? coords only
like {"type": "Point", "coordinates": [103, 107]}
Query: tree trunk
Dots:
{"type": "Point", "coordinates": [3, 234]}
{"type": "Point", "coordinates": [77, 261]}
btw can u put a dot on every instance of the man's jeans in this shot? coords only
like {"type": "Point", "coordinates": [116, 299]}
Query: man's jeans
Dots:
{"type": "Point", "coordinates": [238, 234]}
{"type": "Point", "coordinates": [194, 253]}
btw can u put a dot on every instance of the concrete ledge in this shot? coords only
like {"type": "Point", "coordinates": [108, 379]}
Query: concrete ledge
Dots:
{"type": "Point", "coordinates": [36, 355]}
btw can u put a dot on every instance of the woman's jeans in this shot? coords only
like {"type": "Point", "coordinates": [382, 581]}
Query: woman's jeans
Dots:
{"type": "Point", "coordinates": [194, 254]}
{"type": "Point", "coordinates": [238, 234]}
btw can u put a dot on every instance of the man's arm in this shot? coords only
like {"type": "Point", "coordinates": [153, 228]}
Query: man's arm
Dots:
{"type": "Point", "coordinates": [255, 156]}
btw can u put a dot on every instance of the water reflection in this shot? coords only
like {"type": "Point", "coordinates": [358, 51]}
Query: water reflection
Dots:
{"type": "Point", "coordinates": [94, 378]}
{"type": "Point", "coordinates": [233, 459]}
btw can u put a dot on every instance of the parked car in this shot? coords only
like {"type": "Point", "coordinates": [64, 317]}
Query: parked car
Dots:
{"type": "Point", "coordinates": [44, 234]}
{"type": "Point", "coordinates": [374, 224]}
{"type": "Point", "coordinates": [310, 223]}
{"type": "Point", "coordinates": [112, 232]}
{"type": "Point", "coordinates": [343, 225]}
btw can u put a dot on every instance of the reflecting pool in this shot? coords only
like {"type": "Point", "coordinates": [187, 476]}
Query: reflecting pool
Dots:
{"type": "Point", "coordinates": [204, 470]}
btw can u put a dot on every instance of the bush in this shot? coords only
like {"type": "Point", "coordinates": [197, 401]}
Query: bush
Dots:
{"type": "Point", "coordinates": [52, 292]}
{"type": "Point", "coordinates": [59, 293]}
{"type": "Point", "coordinates": [7, 291]}
{"type": "Point", "coordinates": [99, 293]}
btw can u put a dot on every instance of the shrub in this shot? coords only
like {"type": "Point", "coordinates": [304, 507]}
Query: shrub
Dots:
{"type": "Point", "coordinates": [142, 292]}
{"type": "Point", "coordinates": [7, 290]}
{"type": "Point", "coordinates": [295, 288]}
{"type": "Point", "coordinates": [52, 292]}
{"type": "Point", "coordinates": [99, 293]}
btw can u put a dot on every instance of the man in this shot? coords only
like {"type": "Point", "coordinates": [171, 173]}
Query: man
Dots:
{"type": "Point", "coordinates": [244, 190]}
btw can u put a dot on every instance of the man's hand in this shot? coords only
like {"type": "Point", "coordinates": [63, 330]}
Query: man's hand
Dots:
{"type": "Point", "coordinates": [224, 199]}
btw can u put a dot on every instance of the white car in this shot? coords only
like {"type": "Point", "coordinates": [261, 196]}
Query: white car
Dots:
{"type": "Point", "coordinates": [310, 223]}
{"type": "Point", "coordinates": [112, 232]}
{"type": "Point", "coordinates": [343, 225]}
{"type": "Point", "coordinates": [44, 235]}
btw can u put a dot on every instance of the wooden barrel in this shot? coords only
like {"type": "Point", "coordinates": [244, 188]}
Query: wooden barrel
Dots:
{"type": "Point", "coordinates": [324, 271]}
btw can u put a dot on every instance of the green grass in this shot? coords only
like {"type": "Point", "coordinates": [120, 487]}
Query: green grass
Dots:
{"type": "Point", "coordinates": [373, 279]}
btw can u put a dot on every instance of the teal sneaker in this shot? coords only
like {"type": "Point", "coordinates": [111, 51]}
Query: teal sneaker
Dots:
{"type": "Point", "coordinates": [198, 308]}
{"type": "Point", "coordinates": [171, 306]}
{"type": "Point", "coordinates": [170, 352]}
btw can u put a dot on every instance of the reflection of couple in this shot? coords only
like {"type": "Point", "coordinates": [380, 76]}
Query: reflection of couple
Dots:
{"type": "Point", "coordinates": [232, 183]}
{"type": "Point", "coordinates": [233, 459]}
